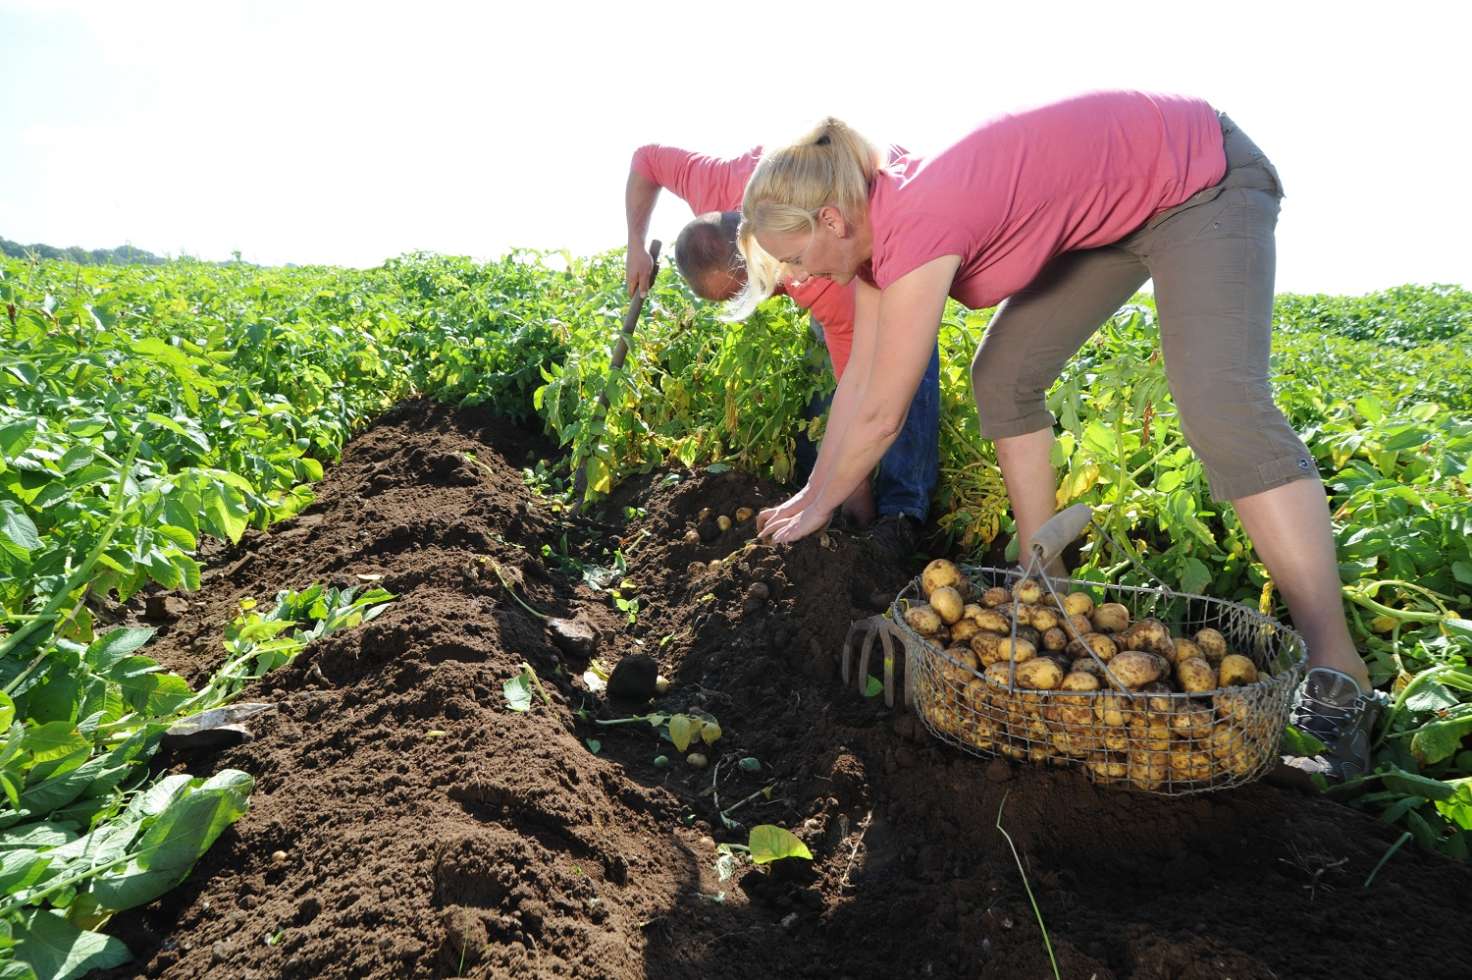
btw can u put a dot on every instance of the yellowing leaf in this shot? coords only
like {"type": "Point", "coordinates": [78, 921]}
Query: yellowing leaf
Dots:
{"type": "Point", "coordinates": [683, 729]}
{"type": "Point", "coordinates": [709, 732]}
{"type": "Point", "coordinates": [770, 843]}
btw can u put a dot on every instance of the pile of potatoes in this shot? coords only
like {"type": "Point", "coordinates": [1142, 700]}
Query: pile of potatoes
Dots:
{"type": "Point", "coordinates": [1037, 693]}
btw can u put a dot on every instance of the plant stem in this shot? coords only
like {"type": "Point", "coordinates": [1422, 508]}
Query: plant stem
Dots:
{"type": "Point", "coordinates": [1386, 857]}
{"type": "Point", "coordinates": [1036, 911]}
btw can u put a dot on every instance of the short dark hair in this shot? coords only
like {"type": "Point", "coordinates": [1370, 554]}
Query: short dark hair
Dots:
{"type": "Point", "coordinates": [708, 245]}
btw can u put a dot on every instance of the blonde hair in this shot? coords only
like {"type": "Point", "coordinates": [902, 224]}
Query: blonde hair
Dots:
{"type": "Point", "coordinates": [832, 164]}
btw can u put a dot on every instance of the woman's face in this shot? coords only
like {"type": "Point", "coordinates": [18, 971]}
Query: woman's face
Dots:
{"type": "Point", "coordinates": [833, 250]}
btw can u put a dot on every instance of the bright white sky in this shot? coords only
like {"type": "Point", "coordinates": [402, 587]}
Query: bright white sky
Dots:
{"type": "Point", "coordinates": [350, 132]}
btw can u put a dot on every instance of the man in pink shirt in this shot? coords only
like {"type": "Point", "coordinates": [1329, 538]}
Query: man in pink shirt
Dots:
{"type": "Point", "coordinates": [706, 255]}
{"type": "Point", "coordinates": [1064, 211]}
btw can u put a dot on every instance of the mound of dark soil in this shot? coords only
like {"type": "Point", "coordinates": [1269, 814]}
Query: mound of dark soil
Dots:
{"type": "Point", "coordinates": [430, 831]}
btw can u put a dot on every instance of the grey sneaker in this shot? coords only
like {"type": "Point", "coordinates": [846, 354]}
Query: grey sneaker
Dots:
{"type": "Point", "coordinates": [1332, 708]}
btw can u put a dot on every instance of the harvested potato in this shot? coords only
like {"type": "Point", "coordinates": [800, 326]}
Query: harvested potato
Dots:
{"type": "Point", "coordinates": [1232, 707]}
{"type": "Point", "coordinates": [1135, 669]}
{"type": "Point", "coordinates": [1041, 674]}
{"type": "Point", "coordinates": [1018, 650]}
{"type": "Point", "coordinates": [1042, 619]}
{"type": "Point", "coordinates": [1027, 590]}
{"type": "Point", "coordinates": [1013, 751]}
{"type": "Point", "coordinates": [1088, 665]}
{"type": "Point", "coordinates": [1116, 739]}
{"type": "Point", "coordinates": [1054, 639]}
{"type": "Point", "coordinates": [963, 630]}
{"type": "Point", "coordinates": [1074, 744]}
{"type": "Point", "coordinates": [1159, 701]}
{"type": "Point", "coordinates": [1078, 625]}
{"type": "Point", "coordinates": [1194, 766]}
{"type": "Point", "coordinates": [999, 674]}
{"type": "Point", "coordinates": [971, 610]}
{"type": "Point", "coordinates": [743, 514]}
{"type": "Point", "coordinates": [1077, 680]}
{"type": "Point", "coordinates": [1098, 644]}
{"type": "Point", "coordinates": [975, 694]}
{"type": "Point", "coordinates": [939, 574]}
{"type": "Point", "coordinates": [692, 536]}
{"type": "Point", "coordinates": [1147, 635]}
{"type": "Point", "coordinates": [1193, 722]}
{"type": "Point", "coordinates": [1226, 739]}
{"type": "Point", "coordinates": [1146, 771]}
{"type": "Point", "coordinates": [1078, 604]}
{"type": "Point", "coordinates": [1111, 617]}
{"type": "Point", "coordinates": [1237, 670]}
{"type": "Point", "coordinates": [1030, 635]}
{"type": "Point", "coordinates": [960, 673]}
{"type": "Point", "coordinates": [990, 619]}
{"type": "Point", "coordinates": [1151, 732]}
{"type": "Point", "coordinates": [995, 596]}
{"type": "Point", "coordinates": [1243, 763]}
{"type": "Point", "coordinates": [1112, 709]}
{"type": "Point", "coordinates": [985, 646]}
{"type": "Point", "coordinates": [1212, 644]}
{"type": "Point", "coordinates": [923, 619]}
{"type": "Point", "coordinates": [1107, 768]}
{"type": "Point", "coordinates": [946, 601]}
{"type": "Point", "coordinates": [723, 522]}
{"type": "Point", "coordinates": [1196, 676]}
{"type": "Point", "coordinates": [1183, 649]}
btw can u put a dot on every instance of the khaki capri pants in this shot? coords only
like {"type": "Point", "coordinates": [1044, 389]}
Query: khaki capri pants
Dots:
{"type": "Point", "coordinates": [1212, 258]}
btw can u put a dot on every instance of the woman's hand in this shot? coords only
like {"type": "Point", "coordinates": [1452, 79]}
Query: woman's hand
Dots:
{"type": "Point", "coordinates": [638, 269]}
{"type": "Point", "coordinates": [799, 525]}
{"type": "Point", "coordinates": [783, 511]}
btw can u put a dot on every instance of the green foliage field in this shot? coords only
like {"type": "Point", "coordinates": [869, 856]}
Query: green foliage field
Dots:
{"type": "Point", "coordinates": [145, 407]}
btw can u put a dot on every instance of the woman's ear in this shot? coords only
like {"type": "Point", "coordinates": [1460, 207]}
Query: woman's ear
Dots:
{"type": "Point", "coordinates": [832, 219]}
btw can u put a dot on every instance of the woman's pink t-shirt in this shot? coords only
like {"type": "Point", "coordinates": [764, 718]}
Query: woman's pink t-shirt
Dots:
{"type": "Point", "coordinates": [708, 183]}
{"type": "Point", "coordinates": [1023, 188]}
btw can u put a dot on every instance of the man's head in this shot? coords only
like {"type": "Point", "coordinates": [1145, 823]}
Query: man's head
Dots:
{"type": "Point", "coordinates": [707, 256]}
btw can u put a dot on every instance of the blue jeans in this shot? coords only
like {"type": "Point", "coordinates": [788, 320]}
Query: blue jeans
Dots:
{"type": "Point", "coordinates": [909, 469]}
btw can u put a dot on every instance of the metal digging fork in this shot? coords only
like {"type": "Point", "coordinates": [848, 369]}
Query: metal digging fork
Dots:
{"type": "Point", "coordinates": [858, 648]}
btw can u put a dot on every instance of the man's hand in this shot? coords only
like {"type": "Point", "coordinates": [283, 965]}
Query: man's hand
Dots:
{"type": "Point", "coordinates": [638, 270]}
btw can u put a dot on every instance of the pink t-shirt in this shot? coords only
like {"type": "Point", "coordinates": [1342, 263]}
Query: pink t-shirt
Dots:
{"type": "Point", "coordinates": [1023, 188]}
{"type": "Point", "coordinates": [708, 183]}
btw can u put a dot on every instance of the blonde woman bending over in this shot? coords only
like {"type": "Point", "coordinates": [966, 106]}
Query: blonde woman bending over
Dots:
{"type": "Point", "coordinates": [1060, 214]}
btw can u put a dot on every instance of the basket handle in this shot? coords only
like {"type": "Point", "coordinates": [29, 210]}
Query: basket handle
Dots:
{"type": "Point", "coordinates": [1059, 531]}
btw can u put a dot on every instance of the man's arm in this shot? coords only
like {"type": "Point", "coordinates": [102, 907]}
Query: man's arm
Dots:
{"type": "Point", "coordinates": [640, 195]}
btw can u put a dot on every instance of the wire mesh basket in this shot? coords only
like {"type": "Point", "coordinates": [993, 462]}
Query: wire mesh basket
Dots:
{"type": "Point", "coordinates": [979, 694]}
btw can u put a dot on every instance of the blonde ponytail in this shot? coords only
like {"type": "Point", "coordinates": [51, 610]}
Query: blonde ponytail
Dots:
{"type": "Point", "coordinates": [834, 165]}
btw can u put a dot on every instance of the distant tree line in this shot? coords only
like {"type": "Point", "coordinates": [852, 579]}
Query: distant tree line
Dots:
{"type": "Point", "coordinates": [122, 255]}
